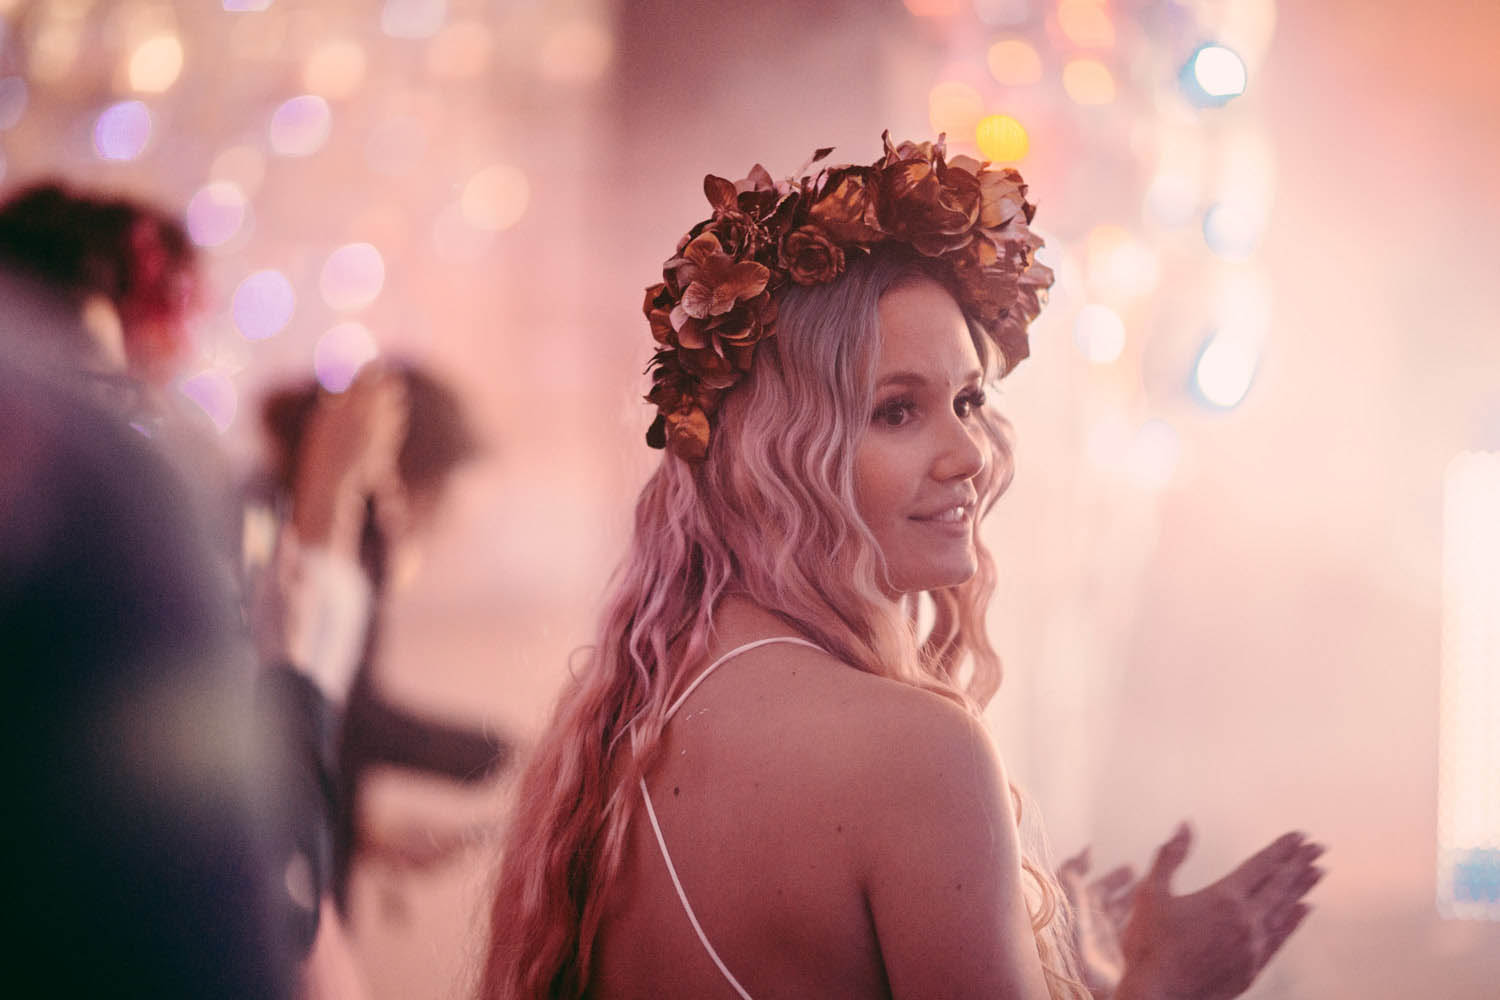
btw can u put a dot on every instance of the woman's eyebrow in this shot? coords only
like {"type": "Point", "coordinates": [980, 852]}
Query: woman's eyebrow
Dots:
{"type": "Point", "coordinates": [916, 380]}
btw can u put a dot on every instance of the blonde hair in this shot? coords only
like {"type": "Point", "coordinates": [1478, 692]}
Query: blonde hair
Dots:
{"type": "Point", "coordinates": [770, 513]}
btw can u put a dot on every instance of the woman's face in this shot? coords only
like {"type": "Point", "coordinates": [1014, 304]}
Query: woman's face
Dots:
{"type": "Point", "coordinates": [916, 467]}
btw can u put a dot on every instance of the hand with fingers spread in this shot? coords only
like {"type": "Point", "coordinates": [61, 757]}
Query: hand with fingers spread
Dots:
{"type": "Point", "coordinates": [1211, 944]}
{"type": "Point", "coordinates": [1100, 909]}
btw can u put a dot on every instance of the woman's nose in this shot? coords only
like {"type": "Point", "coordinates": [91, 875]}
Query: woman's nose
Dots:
{"type": "Point", "coordinates": [963, 452]}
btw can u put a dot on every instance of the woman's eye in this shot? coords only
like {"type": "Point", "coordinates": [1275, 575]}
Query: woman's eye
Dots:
{"type": "Point", "coordinates": [895, 413]}
{"type": "Point", "coordinates": [967, 403]}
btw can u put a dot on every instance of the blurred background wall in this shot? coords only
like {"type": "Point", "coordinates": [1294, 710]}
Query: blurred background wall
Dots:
{"type": "Point", "coordinates": [1274, 328]}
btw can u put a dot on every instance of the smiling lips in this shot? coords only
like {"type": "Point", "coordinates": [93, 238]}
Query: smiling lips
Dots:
{"type": "Point", "coordinates": [957, 514]}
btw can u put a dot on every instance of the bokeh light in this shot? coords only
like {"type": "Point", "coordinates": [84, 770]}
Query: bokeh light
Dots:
{"type": "Point", "coordinates": [1002, 139]}
{"type": "Point", "coordinates": [335, 69]}
{"type": "Point", "coordinates": [577, 51]}
{"type": "Point", "coordinates": [263, 304]}
{"type": "Point", "coordinates": [216, 213]}
{"type": "Point", "coordinates": [122, 131]}
{"type": "Point", "coordinates": [13, 97]}
{"type": "Point", "coordinates": [215, 394]}
{"type": "Point", "coordinates": [341, 352]}
{"type": "Point", "coordinates": [1014, 62]}
{"type": "Point", "coordinates": [1219, 71]}
{"type": "Point", "coordinates": [246, 6]}
{"type": "Point", "coordinates": [1099, 333]}
{"type": "Point", "coordinates": [1232, 229]}
{"type": "Point", "coordinates": [413, 18]}
{"type": "Point", "coordinates": [300, 126]}
{"type": "Point", "coordinates": [1089, 82]}
{"type": "Point", "coordinates": [352, 277]}
{"type": "Point", "coordinates": [955, 108]}
{"type": "Point", "coordinates": [495, 198]}
{"type": "Point", "coordinates": [1225, 369]}
{"type": "Point", "coordinates": [53, 51]}
{"type": "Point", "coordinates": [155, 64]}
{"type": "Point", "coordinates": [1086, 23]}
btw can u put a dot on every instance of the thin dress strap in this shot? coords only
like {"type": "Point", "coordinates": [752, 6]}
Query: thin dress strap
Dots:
{"type": "Point", "coordinates": [651, 812]}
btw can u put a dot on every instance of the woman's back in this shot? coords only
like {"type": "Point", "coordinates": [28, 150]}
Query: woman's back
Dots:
{"type": "Point", "coordinates": [790, 793]}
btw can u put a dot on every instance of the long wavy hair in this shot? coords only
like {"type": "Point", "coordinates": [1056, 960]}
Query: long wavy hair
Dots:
{"type": "Point", "coordinates": [770, 514]}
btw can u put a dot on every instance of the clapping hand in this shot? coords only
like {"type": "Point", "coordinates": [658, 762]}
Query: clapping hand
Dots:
{"type": "Point", "coordinates": [1100, 910]}
{"type": "Point", "coordinates": [1211, 944]}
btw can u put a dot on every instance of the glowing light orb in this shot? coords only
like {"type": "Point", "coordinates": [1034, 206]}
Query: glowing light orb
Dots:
{"type": "Point", "coordinates": [1014, 63]}
{"type": "Point", "coordinates": [335, 70]}
{"type": "Point", "coordinates": [1002, 139]}
{"type": "Point", "coordinates": [215, 213]}
{"type": "Point", "coordinates": [341, 352]}
{"type": "Point", "coordinates": [1232, 231]}
{"type": "Point", "coordinates": [352, 277]}
{"type": "Point", "coordinates": [215, 395]}
{"type": "Point", "coordinates": [263, 304]}
{"type": "Point", "coordinates": [1219, 71]}
{"type": "Point", "coordinates": [495, 198]}
{"type": "Point", "coordinates": [13, 98]}
{"type": "Point", "coordinates": [1099, 333]}
{"type": "Point", "coordinates": [246, 6]}
{"type": "Point", "coordinates": [413, 18]}
{"type": "Point", "coordinates": [155, 64]}
{"type": "Point", "coordinates": [1088, 82]}
{"type": "Point", "coordinates": [955, 108]}
{"type": "Point", "coordinates": [1086, 23]}
{"type": "Point", "coordinates": [122, 130]}
{"type": "Point", "coordinates": [300, 126]}
{"type": "Point", "coordinates": [1225, 369]}
{"type": "Point", "coordinates": [579, 51]}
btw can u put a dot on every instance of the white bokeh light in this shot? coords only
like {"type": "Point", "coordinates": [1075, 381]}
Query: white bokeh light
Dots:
{"type": "Point", "coordinates": [122, 131]}
{"type": "Point", "coordinates": [352, 277]}
{"type": "Point", "coordinates": [300, 126]}
{"type": "Point", "coordinates": [216, 213]}
{"type": "Point", "coordinates": [263, 304]}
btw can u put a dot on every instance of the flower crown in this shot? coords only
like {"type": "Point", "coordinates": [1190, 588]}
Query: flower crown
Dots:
{"type": "Point", "coordinates": [718, 299]}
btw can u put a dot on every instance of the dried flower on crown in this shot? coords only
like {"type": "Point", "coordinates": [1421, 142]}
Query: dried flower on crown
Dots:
{"type": "Point", "coordinates": [717, 299]}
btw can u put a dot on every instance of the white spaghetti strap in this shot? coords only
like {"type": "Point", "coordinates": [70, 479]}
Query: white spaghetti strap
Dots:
{"type": "Point", "coordinates": [661, 841]}
{"type": "Point", "coordinates": [736, 651]}
{"type": "Point", "coordinates": [681, 895]}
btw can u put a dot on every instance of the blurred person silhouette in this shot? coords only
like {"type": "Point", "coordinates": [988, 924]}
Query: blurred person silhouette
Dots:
{"type": "Point", "coordinates": [133, 822]}
{"type": "Point", "coordinates": [124, 268]}
{"type": "Point", "coordinates": [356, 481]}
{"type": "Point", "coordinates": [96, 294]}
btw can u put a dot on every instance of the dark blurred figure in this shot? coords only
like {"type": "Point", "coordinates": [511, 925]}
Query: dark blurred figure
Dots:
{"type": "Point", "coordinates": [357, 479]}
{"type": "Point", "coordinates": [125, 268]}
{"type": "Point", "coordinates": [131, 833]}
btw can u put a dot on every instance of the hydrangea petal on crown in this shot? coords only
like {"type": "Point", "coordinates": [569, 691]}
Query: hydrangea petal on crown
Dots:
{"type": "Point", "coordinates": [718, 296]}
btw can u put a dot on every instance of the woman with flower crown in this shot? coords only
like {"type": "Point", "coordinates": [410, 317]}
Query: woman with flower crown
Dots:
{"type": "Point", "coordinates": [771, 777]}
